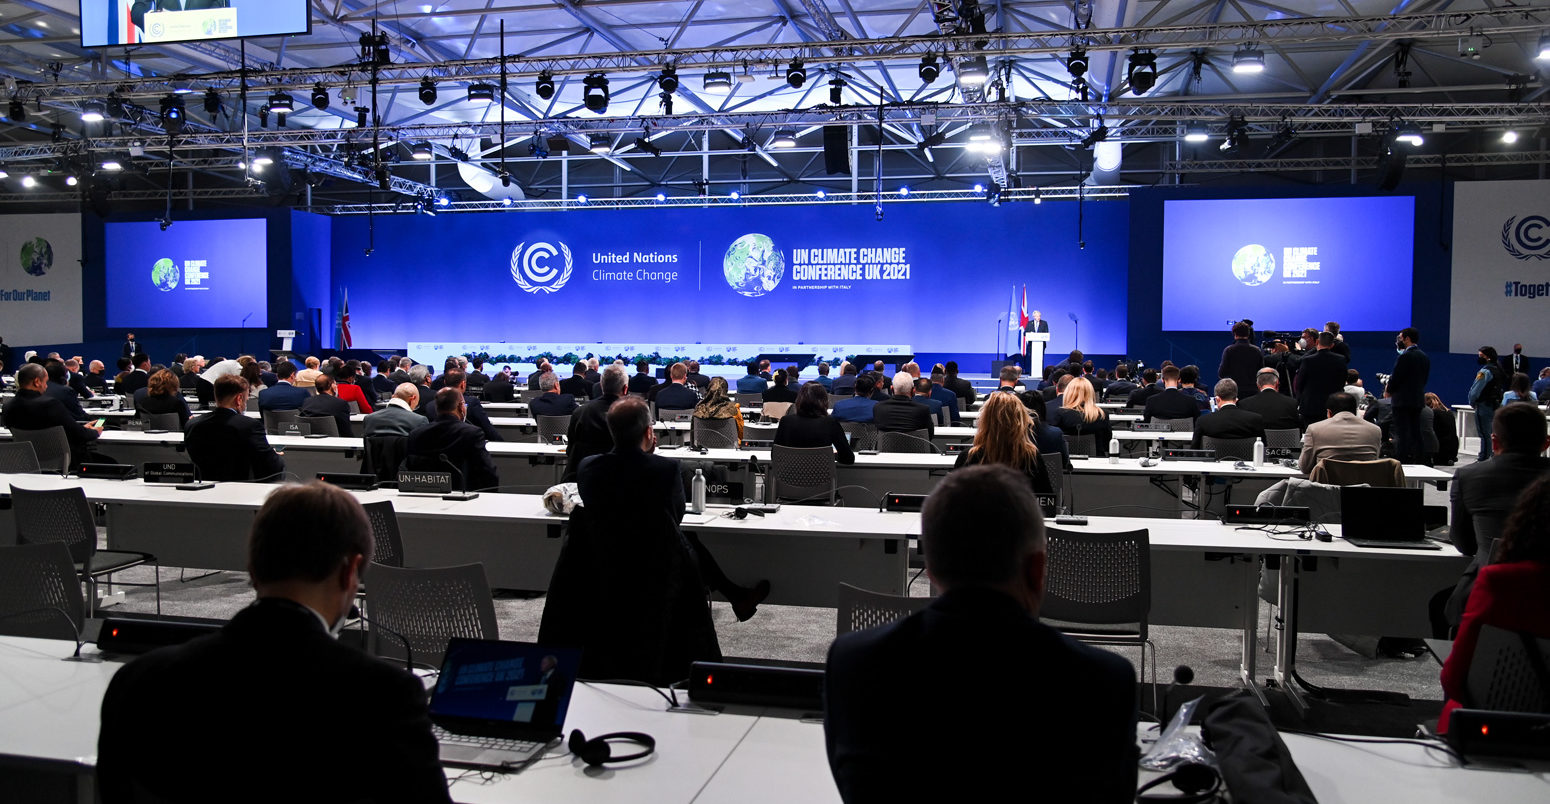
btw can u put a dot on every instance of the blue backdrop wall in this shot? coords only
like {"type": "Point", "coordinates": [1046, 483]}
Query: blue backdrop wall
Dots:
{"type": "Point", "coordinates": [935, 276]}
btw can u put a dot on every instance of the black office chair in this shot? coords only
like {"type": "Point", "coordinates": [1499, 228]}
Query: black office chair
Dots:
{"type": "Point", "coordinates": [321, 425]}
{"type": "Point", "coordinates": [275, 420]}
{"type": "Point", "coordinates": [713, 433]}
{"type": "Point", "coordinates": [40, 593]}
{"type": "Point", "coordinates": [161, 421]}
{"type": "Point", "coordinates": [917, 441]}
{"type": "Point", "coordinates": [1099, 589]}
{"type": "Point", "coordinates": [383, 455]}
{"type": "Point", "coordinates": [802, 474]}
{"type": "Point", "coordinates": [860, 609]}
{"type": "Point", "coordinates": [1229, 449]}
{"type": "Point", "coordinates": [17, 458]}
{"type": "Point", "coordinates": [50, 446]}
{"type": "Point", "coordinates": [64, 515]}
{"type": "Point", "coordinates": [426, 607]}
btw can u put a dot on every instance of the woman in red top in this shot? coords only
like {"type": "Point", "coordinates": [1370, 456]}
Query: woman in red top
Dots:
{"type": "Point", "coordinates": [346, 387]}
{"type": "Point", "coordinates": [1512, 593]}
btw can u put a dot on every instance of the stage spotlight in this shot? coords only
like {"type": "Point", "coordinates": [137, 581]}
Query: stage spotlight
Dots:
{"type": "Point", "coordinates": [421, 150]}
{"type": "Point", "coordinates": [1544, 47]}
{"type": "Point", "coordinates": [280, 102]}
{"type": "Point", "coordinates": [319, 97]}
{"type": "Point", "coordinates": [18, 111]}
{"type": "Point", "coordinates": [1038, 196]}
{"type": "Point", "coordinates": [442, 201]}
{"type": "Point", "coordinates": [384, 178]}
{"type": "Point", "coordinates": [360, 116]}
{"type": "Point", "coordinates": [601, 144]}
{"type": "Point", "coordinates": [172, 114]}
{"type": "Point", "coordinates": [734, 195]}
{"type": "Point", "coordinates": [645, 145]}
{"type": "Point", "coordinates": [29, 182]}
{"type": "Point", "coordinates": [837, 91]}
{"type": "Point", "coordinates": [718, 81]}
{"type": "Point", "coordinates": [1248, 60]}
{"type": "Point", "coordinates": [506, 202]}
{"type": "Point", "coordinates": [904, 191]}
{"type": "Point", "coordinates": [1409, 134]}
{"type": "Point", "coordinates": [279, 119]}
{"type": "Point", "coordinates": [784, 138]}
{"type": "Point", "coordinates": [1196, 133]}
{"type": "Point", "coordinates": [668, 80]}
{"type": "Point", "coordinates": [480, 92]}
{"type": "Point", "coordinates": [4, 174]}
{"type": "Point", "coordinates": [72, 181]}
{"type": "Point", "coordinates": [1098, 135]}
{"type": "Point", "coordinates": [347, 95]}
{"type": "Point", "coordinates": [544, 86]}
{"type": "Point", "coordinates": [581, 199]}
{"type": "Point", "coordinates": [1237, 136]}
{"type": "Point", "coordinates": [1509, 136]}
{"type": "Point", "coordinates": [594, 93]}
{"type": "Point", "coordinates": [1142, 73]}
{"type": "Point", "coordinates": [212, 102]}
{"type": "Point", "coordinates": [116, 106]}
{"type": "Point", "coordinates": [427, 91]}
{"type": "Point", "coordinates": [930, 68]}
{"type": "Point", "coordinates": [796, 74]}
{"type": "Point", "coordinates": [1076, 63]}
{"type": "Point", "coordinates": [93, 112]}
{"type": "Point", "coordinates": [971, 72]}
{"type": "Point", "coordinates": [982, 139]}
{"type": "Point", "coordinates": [111, 165]}
{"type": "Point", "coordinates": [821, 194]}
{"type": "Point", "coordinates": [661, 197]}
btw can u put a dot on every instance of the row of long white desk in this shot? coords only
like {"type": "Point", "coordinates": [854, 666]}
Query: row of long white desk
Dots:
{"type": "Point", "coordinates": [744, 755]}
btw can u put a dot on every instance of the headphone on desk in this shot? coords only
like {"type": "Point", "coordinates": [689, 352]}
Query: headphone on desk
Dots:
{"type": "Point", "coordinates": [1198, 782]}
{"type": "Point", "coordinates": [598, 751]}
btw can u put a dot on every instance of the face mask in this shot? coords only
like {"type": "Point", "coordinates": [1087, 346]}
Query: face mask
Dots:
{"type": "Point", "coordinates": [1302, 343]}
{"type": "Point", "coordinates": [1482, 360]}
{"type": "Point", "coordinates": [1399, 344]}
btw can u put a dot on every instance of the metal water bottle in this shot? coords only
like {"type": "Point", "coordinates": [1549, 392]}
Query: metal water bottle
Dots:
{"type": "Point", "coordinates": [1113, 450]}
{"type": "Point", "coordinates": [697, 499]}
{"type": "Point", "coordinates": [758, 488]}
{"type": "Point", "coordinates": [1259, 452]}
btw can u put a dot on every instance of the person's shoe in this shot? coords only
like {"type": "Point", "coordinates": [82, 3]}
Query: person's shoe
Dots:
{"type": "Point", "coordinates": [748, 600]}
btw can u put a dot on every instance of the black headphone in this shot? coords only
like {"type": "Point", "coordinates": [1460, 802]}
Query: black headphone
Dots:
{"type": "Point", "coordinates": [597, 751]}
{"type": "Point", "coordinates": [1197, 781]}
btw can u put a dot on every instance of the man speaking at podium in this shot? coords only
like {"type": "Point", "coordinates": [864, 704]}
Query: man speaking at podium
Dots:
{"type": "Point", "coordinates": [138, 10]}
{"type": "Point", "coordinates": [1036, 323]}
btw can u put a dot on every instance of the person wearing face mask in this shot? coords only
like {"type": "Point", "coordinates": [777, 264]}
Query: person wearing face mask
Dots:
{"type": "Point", "coordinates": [1517, 362]}
{"type": "Point", "coordinates": [1485, 394]}
{"type": "Point", "coordinates": [354, 727]}
{"type": "Point", "coordinates": [1407, 392]}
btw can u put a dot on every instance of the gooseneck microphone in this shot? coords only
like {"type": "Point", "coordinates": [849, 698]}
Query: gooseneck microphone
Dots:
{"type": "Point", "coordinates": [1183, 676]}
{"type": "Point", "coordinates": [74, 657]}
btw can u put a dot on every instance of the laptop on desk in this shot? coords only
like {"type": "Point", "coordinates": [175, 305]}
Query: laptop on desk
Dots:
{"type": "Point", "coordinates": [501, 705]}
{"type": "Point", "coordinates": [1384, 518]}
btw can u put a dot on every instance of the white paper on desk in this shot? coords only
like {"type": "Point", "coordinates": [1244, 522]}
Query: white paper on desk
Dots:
{"type": "Point", "coordinates": [815, 522]}
{"type": "Point", "coordinates": [699, 519]}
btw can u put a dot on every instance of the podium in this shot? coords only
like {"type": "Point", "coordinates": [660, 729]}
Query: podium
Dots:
{"type": "Point", "coordinates": [1035, 342]}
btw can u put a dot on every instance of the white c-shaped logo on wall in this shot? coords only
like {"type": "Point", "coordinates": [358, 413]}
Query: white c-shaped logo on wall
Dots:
{"type": "Point", "coordinates": [533, 267]}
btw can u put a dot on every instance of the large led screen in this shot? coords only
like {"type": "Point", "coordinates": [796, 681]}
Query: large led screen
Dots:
{"type": "Point", "coordinates": [195, 274]}
{"type": "Point", "coordinates": [105, 23]}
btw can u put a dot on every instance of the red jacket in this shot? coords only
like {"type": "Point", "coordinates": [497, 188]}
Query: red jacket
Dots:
{"type": "Point", "coordinates": [350, 392]}
{"type": "Point", "coordinates": [1510, 596]}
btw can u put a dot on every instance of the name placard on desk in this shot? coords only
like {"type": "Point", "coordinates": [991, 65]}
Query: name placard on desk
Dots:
{"type": "Point", "coordinates": [168, 473]}
{"type": "Point", "coordinates": [424, 482]}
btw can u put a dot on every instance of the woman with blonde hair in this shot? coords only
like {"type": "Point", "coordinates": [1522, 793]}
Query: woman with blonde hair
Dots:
{"type": "Point", "coordinates": [718, 404]}
{"type": "Point", "coordinates": [1079, 415]}
{"type": "Point", "coordinates": [1003, 437]}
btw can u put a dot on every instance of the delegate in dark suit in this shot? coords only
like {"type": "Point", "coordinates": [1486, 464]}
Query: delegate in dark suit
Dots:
{"type": "Point", "coordinates": [380, 384]}
{"type": "Point", "coordinates": [641, 383]}
{"type": "Point", "coordinates": [1482, 496]}
{"type": "Point", "coordinates": [1277, 409]}
{"type": "Point", "coordinates": [136, 380]}
{"type": "Point", "coordinates": [1171, 403]}
{"type": "Point", "coordinates": [499, 390]}
{"type": "Point", "coordinates": [275, 656]}
{"type": "Point", "coordinates": [815, 431]}
{"type": "Point", "coordinates": [1407, 388]}
{"type": "Point", "coordinates": [282, 396]}
{"type": "Point", "coordinates": [164, 403]}
{"type": "Point", "coordinates": [391, 420]}
{"type": "Point", "coordinates": [587, 435]}
{"type": "Point", "coordinates": [30, 410]}
{"type": "Point", "coordinates": [1318, 375]}
{"type": "Point", "coordinates": [326, 405]}
{"type": "Point", "coordinates": [676, 396]}
{"type": "Point", "coordinates": [578, 387]}
{"type": "Point", "coordinates": [1239, 363]}
{"type": "Point", "coordinates": [1229, 421]}
{"type": "Point", "coordinates": [552, 405]}
{"type": "Point", "coordinates": [69, 398]}
{"type": "Point", "coordinates": [1024, 673]}
{"type": "Point", "coordinates": [226, 445]}
{"type": "Point", "coordinates": [902, 414]}
{"type": "Point", "coordinates": [462, 445]}
{"type": "Point", "coordinates": [475, 415]}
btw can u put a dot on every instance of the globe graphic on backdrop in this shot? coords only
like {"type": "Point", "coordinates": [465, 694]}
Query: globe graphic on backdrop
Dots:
{"type": "Point", "coordinates": [37, 256]}
{"type": "Point", "coordinates": [753, 266]}
{"type": "Point", "coordinates": [1253, 265]}
{"type": "Point", "coordinates": [164, 275]}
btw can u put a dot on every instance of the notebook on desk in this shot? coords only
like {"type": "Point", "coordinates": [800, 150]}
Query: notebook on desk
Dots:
{"type": "Point", "coordinates": [1384, 517]}
{"type": "Point", "coordinates": [501, 705]}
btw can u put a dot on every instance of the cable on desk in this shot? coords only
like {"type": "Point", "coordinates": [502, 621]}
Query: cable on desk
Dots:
{"type": "Point", "coordinates": [1341, 738]}
{"type": "Point", "coordinates": [1147, 508]}
{"type": "Point", "coordinates": [670, 696]}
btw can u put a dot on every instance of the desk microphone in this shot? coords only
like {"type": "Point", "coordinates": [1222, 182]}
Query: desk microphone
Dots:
{"type": "Point", "coordinates": [462, 494]}
{"type": "Point", "coordinates": [74, 657]}
{"type": "Point", "coordinates": [1183, 676]}
{"type": "Point", "coordinates": [355, 613]}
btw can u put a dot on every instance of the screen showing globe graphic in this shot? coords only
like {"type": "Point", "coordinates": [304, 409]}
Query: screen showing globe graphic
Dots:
{"type": "Point", "coordinates": [37, 256]}
{"type": "Point", "coordinates": [164, 274]}
{"type": "Point", "coordinates": [753, 266]}
{"type": "Point", "coordinates": [1253, 265]}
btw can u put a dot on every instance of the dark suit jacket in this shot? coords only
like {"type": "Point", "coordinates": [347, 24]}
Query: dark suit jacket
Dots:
{"type": "Point", "coordinates": [476, 416]}
{"type": "Point", "coordinates": [380, 384]}
{"type": "Point", "coordinates": [949, 400]}
{"type": "Point", "coordinates": [1024, 672]}
{"type": "Point", "coordinates": [226, 445]}
{"type": "Point", "coordinates": [1042, 325]}
{"type": "Point", "coordinates": [1277, 409]}
{"type": "Point", "coordinates": [1230, 421]}
{"type": "Point", "coordinates": [1483, 494]}
{"type": "Point", "coordinates": [326, 405]}
{"type": "Point", "coordinates": [1070, 422]}
{"type": "Point", "coordinates": [30, 410]}
{"type": "Point", "coordinates": [587, 435]}
{"type": "Point", "coordinates": [67, 397]}
{"type": "Point", "coordinates": [697, 379]}
{"type": "Point", "coordinates": [283, 396]}
{"type": "Point", "coordinates": [1240, 362]}
{"type": "Point", "coordinates": [463, 446]}
{"type": "Point", "coordinates": [1171, 403]}
{"type": "Point", "coordinates": [165, 403]}
{"type": "Point", "coordinates": [295, 679]}
{"type": "Point", "coordinates": [778, 393]}
{"type": "Point", "coordinates": [961, 387]}
{"type": "Point", "coordinates": [78, 384]}
{"type": "Point", "coordinates": [902, 414]}
{"type": "Point", "coordinates": [815, 431]}
{"type": "Point", "coordinates": [499, 390]}
{"type": "Point", "coordinates": [135, 381]}
{"type": "Point", "coordinates": [577, 386]}
{"type": "Point", "coordinates": [846, 382]}
{"type": "Point", "coordinates": [1318, 375]}
{"type": "Point", "coordinates": [552, 405]}
{"type": "Point", "coordinates": [1143, 394]}
{"type": "Point", "coordinates": [641, 383]}
{"type": "Point", "coordinates": [1407, 384]}
{"type": "Point", "coordinates": [96, 382]}
{"type": "Point", "coordinates": [130, 347]}
{"type": "Point", "coordinates": [675, 396]}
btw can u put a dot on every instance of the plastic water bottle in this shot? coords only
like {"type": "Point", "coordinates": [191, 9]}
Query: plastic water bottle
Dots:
{"type": "Point", "coordinates": [697, 502]}
{"type": "Point", "coordinates": [1113, 450]}
{"type": "Point", "coordinates": [1259, 452]}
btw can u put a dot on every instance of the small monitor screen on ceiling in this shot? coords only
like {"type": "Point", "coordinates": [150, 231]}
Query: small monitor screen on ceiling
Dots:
{"type": "Point", "coordinates": [109, 23]}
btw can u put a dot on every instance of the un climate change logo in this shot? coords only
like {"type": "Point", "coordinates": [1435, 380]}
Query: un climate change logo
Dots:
{"type": "Point", "coordinates": [533, 271]}
{"type": "Point", "coordinates": [1528, 238]}
{"type": "Point", "coordinates": [753, 266]}
{"type": "Point", "coordinates": [1253, 265]}
{"type": "Point", "coordinates": [165, 275]}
